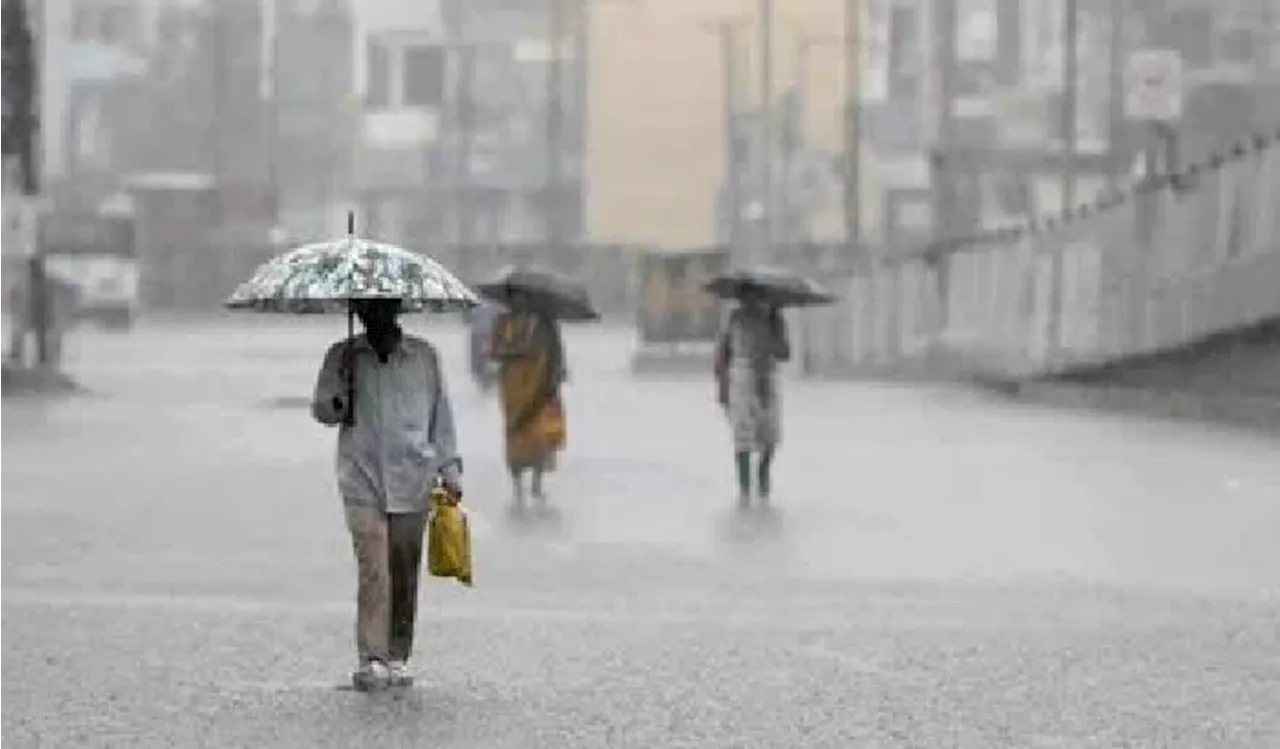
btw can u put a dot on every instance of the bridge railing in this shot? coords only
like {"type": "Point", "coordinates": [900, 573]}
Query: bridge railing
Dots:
{"type": "Point", "coordinates": [1167, 262]}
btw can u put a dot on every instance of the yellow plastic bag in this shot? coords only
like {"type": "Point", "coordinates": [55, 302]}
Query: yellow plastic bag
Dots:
{"type": "Point", "coordinates": [448, 539]}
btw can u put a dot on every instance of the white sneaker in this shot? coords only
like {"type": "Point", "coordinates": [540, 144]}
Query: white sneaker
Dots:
{"type": "Point", "coordinates": [371, 675]}
{"type": "Point", "coordinates": [399, 675]}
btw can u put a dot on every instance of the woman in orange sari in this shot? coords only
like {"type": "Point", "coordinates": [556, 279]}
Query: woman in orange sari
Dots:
{"type": "Point", "coordinates": [530, 353]}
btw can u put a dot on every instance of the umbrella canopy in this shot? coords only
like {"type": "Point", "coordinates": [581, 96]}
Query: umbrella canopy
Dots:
{"type": "Point", "coordinates": [543, 290]}
{"type": "Point", "coordinates": [773, 285]}
{"type": "Point", "coordinates": [327, 276]}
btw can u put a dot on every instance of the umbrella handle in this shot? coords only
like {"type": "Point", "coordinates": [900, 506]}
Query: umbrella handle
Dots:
{"type": "Point", "coordinates": [349, 418]}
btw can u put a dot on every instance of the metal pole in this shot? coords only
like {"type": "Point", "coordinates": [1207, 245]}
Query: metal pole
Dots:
{"type": "Point", "coordinates": [853, 120]}
{"type": "Point", "coordinates": [786, 151]}
{"type": "Point", "coordinates": [555, 123]}
{"type": "Point", "coordinates": [1070, 97]}
{"type": "Point", "coordinates": [1070, 83]}
{"type": "Point", "coordinates": [765, 28]}
{"type": "Point", "coordinates": [31, 161]}
{"type": "Point", "coordinates": [36, 152]}
{"type": "Point", "coordinates": [725, 30]}
{"type": "Point", "coordinates": [40, 294]}
{"type": "Point", "coordinates": [1116, 145]}
{"type": "Point", "coordinates": [219, 93]}
{"type": "Point", "coordinates": [944, 25]}
{"type": "Point", "coordinates": [273, 111]}
{"type": "Point", "coordinates": [467, 126]}
{"type": "Point", "coordinates": [943, 169]}
{"type": "Point", "coordinates": [803, 46]}
{"type": "Point", "coordinates": [580, 109]}
{"type": "Point", "coordinates": [217, 124]}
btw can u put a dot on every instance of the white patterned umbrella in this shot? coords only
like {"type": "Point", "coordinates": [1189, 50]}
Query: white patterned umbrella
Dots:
{"type": "Point", "coordinates": [328, 276]}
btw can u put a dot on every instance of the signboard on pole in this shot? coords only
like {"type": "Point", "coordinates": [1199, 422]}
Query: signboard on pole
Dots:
{"type": "Point", "coordinates": [18, 224]}
{"type": "Point", "coordinates": [1153, 85]}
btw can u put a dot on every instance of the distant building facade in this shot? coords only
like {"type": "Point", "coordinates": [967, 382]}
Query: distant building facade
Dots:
{"type": "Point", "coordinates": [452, 143]}
{"type": "Point", "coordinates": [499, 121]}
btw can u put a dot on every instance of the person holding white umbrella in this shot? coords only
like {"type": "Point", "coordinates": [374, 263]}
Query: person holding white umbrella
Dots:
{"type": "Point", "coordinates": [385, 392]}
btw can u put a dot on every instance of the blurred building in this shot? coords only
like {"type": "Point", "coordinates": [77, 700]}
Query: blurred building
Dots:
{"type": "Point", "coordinates": [238, 111]}
{"type": "Point", "coordinates": [999, 146]}
{"type": "Point", "coordinates": [92, 50]}
{"type": "Point", "coordinates": [398, 65]}
{"type": "Point", "coordinates": [308, 84]}
{"type": "Point", "coordinates": [1000, 139]}
{"type": "Point", "coordinates": [507, 183]}
{"type": "Point", "coordinates": [452, 142]}
{"type": "Point", "coordinates": [806, 181]}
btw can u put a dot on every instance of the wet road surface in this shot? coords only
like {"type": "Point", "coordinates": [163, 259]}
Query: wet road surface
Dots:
{"type": "Point", "coordinates": [943, 569]}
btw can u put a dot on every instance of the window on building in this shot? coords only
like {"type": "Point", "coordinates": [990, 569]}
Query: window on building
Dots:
{"type": "Point", "coordinates": [1190, 31]}
{"type": "Point", "coordinates": [84, 23]}
{"type": "Point", "coordinates": [378, 74]}
{"type": "Point", "coordinates": [423, 75]}
{"type": "Point", "coordinates": [1238, 44]}
{"type": "Point", "coordinates": [1012, 193]}
{"type": "Point", "coordinates": [904, 51]}
{"type": "Point", "coordinates": [1009, 44]}
{"type": "Point", "coordinates": [104, 23]}
{"type": "Point", "coordinates": [111, 24]}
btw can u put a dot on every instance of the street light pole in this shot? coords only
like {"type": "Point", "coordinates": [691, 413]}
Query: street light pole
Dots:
{"type": "Point", "coordinates": [24, 55]}
{"type": "Point", "coordinates": [271, 89]}
{"type": "Point", "coordinates": [726, 30]}
{"type": "Point", "coordinates": [1116, 142]}
{"type": "Point", "coordinates": [765, 28]}
{"type": "Point", "coordinates": [555, 123]}
{"type": "Point", "coordinates": [853, 121]}
{"type": "Point", "coordinates": [466, 121]}
{"type": "Point", "coordinates": [1070, 84]}
{"type": "Point", "coordinates": [943, 167]}
{"type": "Point", "coordinates": [804, 46]}
{"type": "Point", "coordinates": [1070, 96]}
{"type": "Point", "coordinates": [793, 128]}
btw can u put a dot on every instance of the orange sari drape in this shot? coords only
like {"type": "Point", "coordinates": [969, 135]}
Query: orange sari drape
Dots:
{"type": "Point", "coordinates": [532, 368]}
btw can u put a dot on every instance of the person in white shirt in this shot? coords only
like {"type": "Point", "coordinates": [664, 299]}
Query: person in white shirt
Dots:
{"type": "Point", "coordinates": [396, 439]}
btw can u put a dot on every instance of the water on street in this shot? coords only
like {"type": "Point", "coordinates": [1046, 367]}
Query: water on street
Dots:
{"type": "Point", "coordinates": [943, 569]}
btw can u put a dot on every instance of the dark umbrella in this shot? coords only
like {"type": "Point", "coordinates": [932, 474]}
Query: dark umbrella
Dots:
{"type": "Point", "coordinates": [539, 289]}
{"type": "Point", "coordinates": [772, 285]}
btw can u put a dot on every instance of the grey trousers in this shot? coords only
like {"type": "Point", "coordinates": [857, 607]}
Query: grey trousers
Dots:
{"type": "Point", "coordinates": [388, 550]}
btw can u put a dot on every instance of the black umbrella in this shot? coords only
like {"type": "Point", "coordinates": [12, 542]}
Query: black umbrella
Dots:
{"type": "Point", "coordinates": [534, 288]}
{"type": "Point", "coordinates": [771, 285]}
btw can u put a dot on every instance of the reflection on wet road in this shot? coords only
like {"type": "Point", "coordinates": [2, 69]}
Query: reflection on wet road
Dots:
{"type": "Point", "coordinates": [942, 570]}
